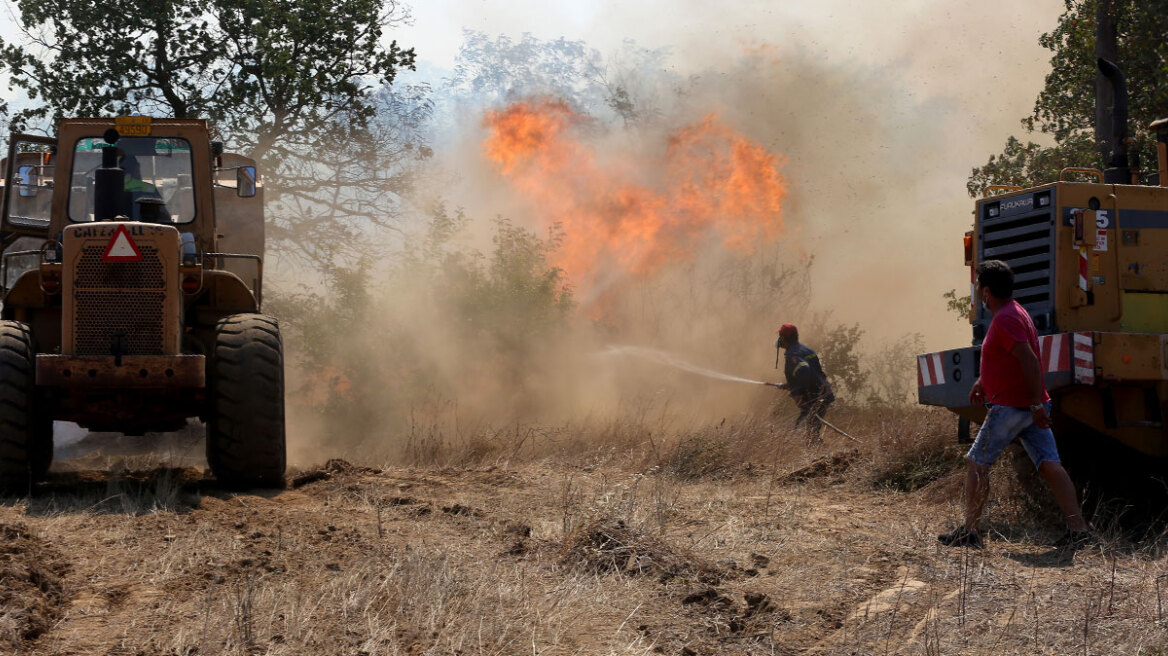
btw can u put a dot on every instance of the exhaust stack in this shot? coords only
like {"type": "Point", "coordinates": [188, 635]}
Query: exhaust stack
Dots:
{"type": "Point", "coordinates": [1160, 126]}
{"type": "Point", "coordinates": [1118, 170]}
{"type": "Point", "coordinates": [109, 181]}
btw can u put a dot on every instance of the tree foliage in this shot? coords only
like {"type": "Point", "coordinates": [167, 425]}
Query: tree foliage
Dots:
{"type": "Point", "coordinates": [624, 85]}
{"type": "Point", "coordinates": [284, 81]}
{"type": "Point", "coordinates": [1065, 108]}
{"type": "Point", "coordinates": [958, 305]}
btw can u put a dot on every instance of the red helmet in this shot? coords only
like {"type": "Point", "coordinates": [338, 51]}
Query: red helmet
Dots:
{"type": "Point", "coordinates": [789, 331]}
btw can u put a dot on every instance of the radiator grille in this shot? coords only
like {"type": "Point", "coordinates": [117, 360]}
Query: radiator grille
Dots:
{"type": "Point", "coordinates": [93, 273]}
{"type": "Point", "coordinates": [1025, 241]}
{"type": "Point", "coordinates": [119, 303]}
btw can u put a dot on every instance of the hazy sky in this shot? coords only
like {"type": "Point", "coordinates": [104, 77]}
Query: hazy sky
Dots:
{"type": "Point", "coordinates": [985, 51]}
{"type": "Point", "coordinates": [926, 35]}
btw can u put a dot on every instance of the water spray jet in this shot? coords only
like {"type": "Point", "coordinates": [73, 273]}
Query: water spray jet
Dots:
{"type": "Point", "coordinates": [668, 359]}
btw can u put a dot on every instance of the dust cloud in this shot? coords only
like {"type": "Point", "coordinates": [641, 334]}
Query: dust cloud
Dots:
{"type": "Point", "coordinates": [527, 282]}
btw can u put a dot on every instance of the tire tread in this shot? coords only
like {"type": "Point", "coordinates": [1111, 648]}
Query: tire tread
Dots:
{"type": "Point", "coordinates": [245, 427]}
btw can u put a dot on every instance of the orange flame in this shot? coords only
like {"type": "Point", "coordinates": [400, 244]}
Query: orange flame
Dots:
{"type": "Point", "coordinates": [711, 183]}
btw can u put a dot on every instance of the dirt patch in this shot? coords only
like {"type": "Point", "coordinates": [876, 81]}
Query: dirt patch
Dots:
{"type": "Point", "coordinates": [333, 467]}
{"type": "Point", "coordinates": [708, 597]}
{"type": "Point", "coordinates": [31, 592]}
{"type": "Point", "coordinates": [308, 477]}
{"type": "Point", "coordinates": [832, 466]}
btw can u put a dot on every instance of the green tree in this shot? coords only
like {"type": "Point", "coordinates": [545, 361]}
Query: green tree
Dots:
{"type": "Point", "coordinates": [286, 81]}
{"type": "Point", "coordinates": [1065, 110]}
{"type": "Point", "coordinates": [840, 354]}
{"type": "Point", "coordinates": [514, 298]}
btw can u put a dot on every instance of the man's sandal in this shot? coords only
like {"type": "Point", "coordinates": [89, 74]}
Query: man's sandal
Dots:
{"type": "Point", "coordinates": [960, 537]}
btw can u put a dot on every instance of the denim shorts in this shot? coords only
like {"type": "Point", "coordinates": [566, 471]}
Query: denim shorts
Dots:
{"type": "Point", "coordinates": [1004, 423]}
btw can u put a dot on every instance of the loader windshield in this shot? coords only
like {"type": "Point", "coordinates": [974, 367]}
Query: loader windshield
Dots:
{"type": "Point", "coordinates": [157, 179]}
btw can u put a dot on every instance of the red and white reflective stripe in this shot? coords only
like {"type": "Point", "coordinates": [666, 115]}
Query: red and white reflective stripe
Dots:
{"type": "Point", "coordinates": [1084, 354]}
{"type": "Point", "coordinates": [1056, 352]}
{"type": "Point", "coordinates": [1083, 268]}
{"type": "Point", "coordinates": [930, 371]}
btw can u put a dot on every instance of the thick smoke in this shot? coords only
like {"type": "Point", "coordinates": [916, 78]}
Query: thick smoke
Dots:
{"type": "Point", "coordinates": [497, 308]}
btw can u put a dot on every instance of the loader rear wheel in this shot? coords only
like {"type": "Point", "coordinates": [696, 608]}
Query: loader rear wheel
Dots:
{"type": "Point", "coordinates": [963, 433]}
{"type": "Point", "coordinates": [245, 419]}
{"type": "Point", "coordinates": [26, 428]}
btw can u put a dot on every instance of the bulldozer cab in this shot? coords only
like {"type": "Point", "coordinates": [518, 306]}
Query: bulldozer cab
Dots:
{"type": "Point", "coordinates": [172, 174]}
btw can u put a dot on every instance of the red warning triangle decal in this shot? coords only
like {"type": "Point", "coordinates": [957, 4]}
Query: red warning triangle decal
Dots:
{"type": "Point", "coordinates": [121, 247]}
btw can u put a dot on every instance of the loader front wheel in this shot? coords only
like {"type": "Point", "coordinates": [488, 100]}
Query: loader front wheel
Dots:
{"type": "Point", "coordinates": [26, 430]}
{"type": "Point", "coordinates": [245, 418]}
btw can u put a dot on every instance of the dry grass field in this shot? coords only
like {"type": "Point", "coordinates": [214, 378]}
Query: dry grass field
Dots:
{"type": "Point", "coordinates": [727, 539]}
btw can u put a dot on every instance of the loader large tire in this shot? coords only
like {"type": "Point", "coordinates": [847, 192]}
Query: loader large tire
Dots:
{"type": "Point", "coordinates": [245, 422]}
{"type": "Point", "coordinates": [26, 428]}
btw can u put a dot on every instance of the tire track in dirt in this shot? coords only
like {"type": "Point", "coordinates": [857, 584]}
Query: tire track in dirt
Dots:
{"type": "Point", "coordinates": [902, 599]}
{"type": "Point", "coordinates": [31, 590]}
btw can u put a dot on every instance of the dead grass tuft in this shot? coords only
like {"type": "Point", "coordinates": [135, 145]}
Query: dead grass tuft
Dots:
{"type": "Point", "coordinates": [118, 491]}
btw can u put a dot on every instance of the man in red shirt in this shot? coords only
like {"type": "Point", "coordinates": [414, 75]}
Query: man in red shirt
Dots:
{"type": "Point", "coordinates": [1013, 389]}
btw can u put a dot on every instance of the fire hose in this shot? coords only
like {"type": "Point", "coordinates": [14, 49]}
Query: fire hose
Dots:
{"type": "Point", "coordinates": [820, 417]}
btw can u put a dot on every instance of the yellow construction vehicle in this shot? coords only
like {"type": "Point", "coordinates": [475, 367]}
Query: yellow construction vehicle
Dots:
{"type": "Point", "coordinates": [131, 281]}
{"type": "Point", "coordinates": [1090, 257]}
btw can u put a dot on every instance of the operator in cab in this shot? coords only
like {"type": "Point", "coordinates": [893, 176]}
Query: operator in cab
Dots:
{"type": "Point", "coordinates": [141, 200]}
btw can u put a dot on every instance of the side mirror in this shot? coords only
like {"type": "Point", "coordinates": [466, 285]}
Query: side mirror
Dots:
{"type": "Point", "coordinates": [27, 181]}
{"type": "Point", "coordinates": [245, 181]}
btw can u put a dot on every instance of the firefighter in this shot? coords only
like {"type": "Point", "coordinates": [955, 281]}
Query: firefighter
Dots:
{"type": "Point", "coordinates": [806, 382]}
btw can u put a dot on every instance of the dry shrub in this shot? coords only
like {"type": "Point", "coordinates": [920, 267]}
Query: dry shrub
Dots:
{"type": "Point", "coordinates": [911, 470]}
{"type": "Point", "coordinates": [605, 546]}
{"type": "Point", "coordinates": [698, 456]}
{"type": "Point", "coordinates": [727, 449]}
{"type": "Point", "coordinates": [912, 448]}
